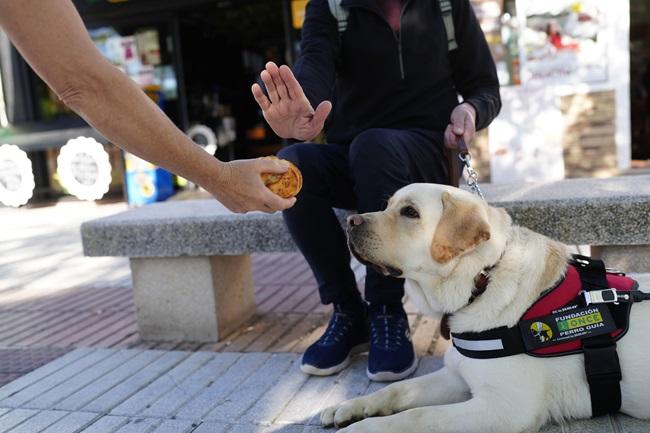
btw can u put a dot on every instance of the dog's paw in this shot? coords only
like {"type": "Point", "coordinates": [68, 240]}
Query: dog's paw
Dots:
{"type": "Point", "coordinates": [351, 411]}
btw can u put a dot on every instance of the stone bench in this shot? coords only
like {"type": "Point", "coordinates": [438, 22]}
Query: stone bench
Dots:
{"type": "Point", "coordinates": [190, 263]}
{"type": "Point", "coordinates": [190, 260]}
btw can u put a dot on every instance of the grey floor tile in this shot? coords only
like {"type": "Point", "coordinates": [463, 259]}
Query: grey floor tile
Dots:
{"type": "Point", "coordinates": [72, 422]}
{"type": "Point", "coordinates": [163, 385]}
{"type": "Point", "coordinates": [212, 427]}
{"type": "Point", "coordinates": [285, 429]}
{"type": "Point", "coordinates": [51, 397]}
{"type": "Point", "coordinates": [252, 389]}
{"type": "Point", "coordinates": [106, 424]}
{"type": "Point", "coordinates": [193, 385]}
{"type": "Point", "coordinates": [271, 404]}
{"type": "Point", "coordinates": [15, 417]}
{"type": "Point", "coordinates": [39, 422]}
{"type": "Point", "coordinates": [601, 424]}
{"type": "Point", "coordinates": [632, 425]}
{"type": "Point", "coordinates": [85, 396]}
{"type": "Point", "coordinates": [308, 401]}
{"type": "Point", "coordinates": [223, 386]}
{"type": "Point", "coordinates": [175, 426]}
{"type": "Point", "coordinates": [139, 425]}
{"type": "Point", "coordinates": [44, 371]}
{"type": "Point", "coordinates": [107, 401]}
{"type": "Point", "coordinates": [49, 381]}
{"type": "Point", "coordinates": [353, 383]}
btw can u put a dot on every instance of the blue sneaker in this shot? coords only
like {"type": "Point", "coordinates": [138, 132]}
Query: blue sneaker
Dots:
{"type": "Point", "coordinates": [391, 354]}
{"type": "Point", "coordinates": [346, 336]}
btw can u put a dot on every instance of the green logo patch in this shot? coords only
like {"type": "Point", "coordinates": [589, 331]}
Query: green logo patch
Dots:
{"type": "Point", "coordinates": [577, 322]}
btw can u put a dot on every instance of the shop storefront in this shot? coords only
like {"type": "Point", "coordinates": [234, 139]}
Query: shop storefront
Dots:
{"type": "Point", "coordinates": [195, 58]}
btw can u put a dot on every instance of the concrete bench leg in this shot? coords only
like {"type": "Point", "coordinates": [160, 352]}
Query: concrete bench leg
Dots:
{"type": "Point", "coordinates": [192, 298]}
{"type": "Point", "coordinates": [627, 258]}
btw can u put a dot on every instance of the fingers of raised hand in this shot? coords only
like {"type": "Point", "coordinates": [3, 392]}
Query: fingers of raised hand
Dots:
{"type": "Point", "coordinates": [260, 97]}
{"type": "Point", "coordinates": [316, 121]}
{"type": "Point", "coordinates": [280, 85]}
{"type": "Point", "coordinates": [322, 111]}
{"type": "Point", "coordinates": [271, 90]}
{"type": "Point", "coordinates": [293, 87]}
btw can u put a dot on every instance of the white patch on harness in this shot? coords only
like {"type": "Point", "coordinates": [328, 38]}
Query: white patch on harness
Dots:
{"type": "Point", "coordinates": [478, 345]}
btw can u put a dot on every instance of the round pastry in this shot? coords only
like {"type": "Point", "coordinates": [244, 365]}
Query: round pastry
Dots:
{"type": "Point", "coordinates": [287, 184]}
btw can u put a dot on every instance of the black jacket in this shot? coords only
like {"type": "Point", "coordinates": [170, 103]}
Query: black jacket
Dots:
{"type": "Point", "coordinates": [377, 79]}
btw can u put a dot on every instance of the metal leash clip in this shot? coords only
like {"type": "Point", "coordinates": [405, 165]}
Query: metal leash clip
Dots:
{"type": "Point", "coordinates": [607, 296]}
{"type": "Point", "coordinates": [472, 175]}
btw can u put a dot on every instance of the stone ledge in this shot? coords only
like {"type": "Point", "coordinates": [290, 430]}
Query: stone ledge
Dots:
{"type": "Point", "coordinates": [613, 211]}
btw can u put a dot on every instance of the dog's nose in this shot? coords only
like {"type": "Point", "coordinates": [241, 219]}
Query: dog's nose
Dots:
{"type": "Point", "coordinates": [355, 220]}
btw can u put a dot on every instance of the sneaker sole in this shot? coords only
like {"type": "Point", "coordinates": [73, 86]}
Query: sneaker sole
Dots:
{"type": "Point", "coordinates": [315, 371]}
{"type": "Point", "coordinates": [389, 376]}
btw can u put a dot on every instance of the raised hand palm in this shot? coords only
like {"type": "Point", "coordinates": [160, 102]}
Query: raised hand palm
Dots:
{"type": "Point", "coordinates": [286, 109]}
{"type": "Point", "coordinates": [292, 119]}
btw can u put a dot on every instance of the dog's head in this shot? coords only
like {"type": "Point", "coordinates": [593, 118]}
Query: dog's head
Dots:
{"type": "Point", "coordinates": [426, 229]}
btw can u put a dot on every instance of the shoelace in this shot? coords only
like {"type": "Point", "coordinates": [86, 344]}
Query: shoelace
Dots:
{"type": "Point", "coordinates": [336, 330]}
{"type": "Point", "coordinates": [387, 330]}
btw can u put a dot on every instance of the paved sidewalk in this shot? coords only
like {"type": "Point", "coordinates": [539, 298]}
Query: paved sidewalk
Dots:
{"type": "Point", "coordinates": [52, 297]}
{"type": "Point", "coordinates": [107, 390]}
{"type": "Point", "coordinates": [40, 251]}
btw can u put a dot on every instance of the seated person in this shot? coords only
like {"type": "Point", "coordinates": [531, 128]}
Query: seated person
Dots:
{"type": "Point", "coordinates": [395, 84]}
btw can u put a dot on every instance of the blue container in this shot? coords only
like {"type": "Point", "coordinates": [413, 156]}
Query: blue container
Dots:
{"type": "Point", "coordinates": [146, 183]}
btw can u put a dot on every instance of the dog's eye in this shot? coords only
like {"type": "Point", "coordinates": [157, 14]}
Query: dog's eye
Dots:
{"type": "Point", "coordinates": [409, 212]}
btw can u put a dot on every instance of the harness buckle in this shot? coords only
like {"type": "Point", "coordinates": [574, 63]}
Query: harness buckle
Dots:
{"type": "Point", "coordinates": [608, 296]}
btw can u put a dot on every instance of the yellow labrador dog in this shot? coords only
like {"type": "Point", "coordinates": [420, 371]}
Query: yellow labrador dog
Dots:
{"type": "Point", "coordinates": [439, 238]}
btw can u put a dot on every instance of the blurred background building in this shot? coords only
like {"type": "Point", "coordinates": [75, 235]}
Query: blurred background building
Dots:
{"type": "Point", "coordinates": [575, 80]}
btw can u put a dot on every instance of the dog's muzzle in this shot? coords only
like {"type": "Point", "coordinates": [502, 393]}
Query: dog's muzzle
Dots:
{"type": "Point", "coordinates": [360, 239]}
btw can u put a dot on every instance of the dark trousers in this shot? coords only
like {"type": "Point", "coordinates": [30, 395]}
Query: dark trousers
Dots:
{"type": "Point", "coordinates": [361, 176]}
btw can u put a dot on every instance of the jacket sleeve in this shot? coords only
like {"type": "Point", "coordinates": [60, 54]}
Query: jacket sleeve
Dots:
{"type": "Point", "coordinates": [474, 72]}
{"type": "Point", "coordinates": [315, 68]}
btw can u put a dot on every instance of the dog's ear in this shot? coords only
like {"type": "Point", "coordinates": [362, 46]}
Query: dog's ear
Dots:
{"type": "Point", "coordinates": [461, 228]}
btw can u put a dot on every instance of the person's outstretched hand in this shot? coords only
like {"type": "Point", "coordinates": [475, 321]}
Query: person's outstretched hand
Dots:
{"type": "Point", "coordinates": [463, 124]}
{"type": "Point", "coordinates": [240, 188]}
{"type": "Point", "coordinates": [286, 109]}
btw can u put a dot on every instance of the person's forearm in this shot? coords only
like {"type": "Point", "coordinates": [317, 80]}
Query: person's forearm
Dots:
{"type": "Point", "coordinates": [487, 104]}
{"type": "Point", "coordinates": [53, 40]}
{"type": "Point", "coordinates": [115, 106]}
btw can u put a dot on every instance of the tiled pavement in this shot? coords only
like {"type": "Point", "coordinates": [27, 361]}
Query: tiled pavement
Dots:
{"type": "Point", "coordinates": [18, 362]}
{"type": "Point", "coordinates": [108, 390]}
{"type": "Point", "coordinates": [51, 297]}
{"type": "Point", "coordinates": [289, 317]}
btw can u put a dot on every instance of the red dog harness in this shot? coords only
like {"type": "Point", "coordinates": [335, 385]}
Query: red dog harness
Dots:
{"type": "Point", "coordinates": [586, 312]}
